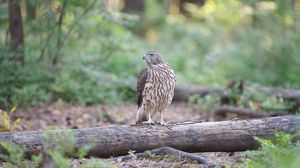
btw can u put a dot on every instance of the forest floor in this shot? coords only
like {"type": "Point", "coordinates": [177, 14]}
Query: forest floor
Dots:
{"type": "Point", "coordinates": [62, 116]}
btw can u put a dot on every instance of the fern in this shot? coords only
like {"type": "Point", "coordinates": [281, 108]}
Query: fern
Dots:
{"type": "Point", "coordinates": [6, 123]}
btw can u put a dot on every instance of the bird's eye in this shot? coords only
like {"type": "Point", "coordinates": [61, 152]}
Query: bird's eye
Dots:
{"type": "Point", "coordinates": [151, 55]}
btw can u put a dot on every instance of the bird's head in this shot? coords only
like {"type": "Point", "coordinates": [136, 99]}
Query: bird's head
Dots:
{"type": "Point", "coordinates": [153, 58]}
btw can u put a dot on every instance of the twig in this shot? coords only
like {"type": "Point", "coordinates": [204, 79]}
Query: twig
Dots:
{"type": "Point", "coordinates": [47, 41]}
{"type": "Point", "coordinates": [86, 10]}
{"type": "Point", "coordinates": [6, 39]}
{"type": "Point", "coordinates": [59, 24]}
{"type": "Point", "coordinates": [60, 42]}
{"type": "Point", "coordinates": [46, 44]}
{"type": "Point", "coordinates": [168, 150]}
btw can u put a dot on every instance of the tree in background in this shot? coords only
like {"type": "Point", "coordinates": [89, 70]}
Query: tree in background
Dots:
{"type": "Point", "coordinates": [16, 30]}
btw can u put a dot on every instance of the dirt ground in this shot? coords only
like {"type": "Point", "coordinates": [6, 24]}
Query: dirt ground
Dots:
{"type": "Point", "coordinates": [65, 116]}
{"type": "Point", "coordinates": [60, 115]}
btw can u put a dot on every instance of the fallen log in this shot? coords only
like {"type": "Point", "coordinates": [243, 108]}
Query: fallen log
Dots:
{"type": "Point", "coordinates": [224, 112]}
{"type": "Point", "coordinates": [109, 141]}
{"type": "Point", "coordinates": [184, 91]}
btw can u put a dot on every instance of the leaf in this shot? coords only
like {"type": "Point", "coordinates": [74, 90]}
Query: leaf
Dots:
{"type": "Point", "coordinates": [13, 110]}
{"type": "Point", "coordinates": [83, 151]}
{"type": "Point", "coordinates": [59, 159]}
{"type": "Point", "coordinates": [16, 124]}
{"type": "Point", "coordinates": [4, 129]}
{"type": "Point", "coordinates": [6, 120]}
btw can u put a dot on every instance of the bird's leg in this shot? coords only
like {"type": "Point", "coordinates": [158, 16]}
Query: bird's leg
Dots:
{"type": "Point", "coordinates": [150, 121]}
{"type": "Point", "coordinates": [162, 118]}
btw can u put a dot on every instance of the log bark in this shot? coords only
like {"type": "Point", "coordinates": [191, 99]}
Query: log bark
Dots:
{"type": "Point", "coordinates": [109, 141]}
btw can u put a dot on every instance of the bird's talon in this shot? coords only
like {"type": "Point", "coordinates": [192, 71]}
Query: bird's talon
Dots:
{"type": "Point", "coordinates": [169, 127]}
{"type": "Point", "coordinates": [150, 122]}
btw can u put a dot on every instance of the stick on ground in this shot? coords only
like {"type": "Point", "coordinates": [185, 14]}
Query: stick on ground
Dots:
{"type": "Point", "coordinates": [164, 151]}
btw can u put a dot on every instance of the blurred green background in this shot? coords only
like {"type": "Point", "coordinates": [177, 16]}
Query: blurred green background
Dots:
{"type": "Point", "coordinates": [90, 51]}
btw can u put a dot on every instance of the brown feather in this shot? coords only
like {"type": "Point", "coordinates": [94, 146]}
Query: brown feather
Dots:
{"type": "Point", "coordinates": [155, 88]}
{"type": "Point", "coordinates": [141, 85]}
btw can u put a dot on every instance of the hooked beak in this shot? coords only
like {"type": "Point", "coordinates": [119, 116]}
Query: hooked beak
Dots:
{"type": "Point", "coordinates": [144, 57]}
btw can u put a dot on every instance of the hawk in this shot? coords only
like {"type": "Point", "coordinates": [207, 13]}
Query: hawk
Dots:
{"type": "Point", "coordinates": [155, 88]}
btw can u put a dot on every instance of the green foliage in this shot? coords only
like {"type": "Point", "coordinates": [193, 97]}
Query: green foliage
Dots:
{"type": "Point", "coordinates": [15, 157]}
{"type": "Point", "coordinates": [277, 104]}
{"type": "Point", "coordinates": [58, 148]}
{"type": "Point", "coordinates": [15, 154]}
{"type": "Point", "coordinates": [254, 45]}
{"type": "Point", "coordinates": [27, 85]}
{"type": "Point", "coordinates": [91, 79]}
{"type": "Point", "coordinates": [281, 152]}
{"type": "Point", "coordinates": [150, 19]}
{"type": "Point", "coordinates": [6, 123]}
{"type": "Point", "coordinates": [131, 152]}
{"type": "Point", "coordinates": [59, 159]}
{"type": "Point", "coordinates": [100, 53]}
{"type": "Point", "coordinates": [207, 102]}
{"type": "Point", "coordinates": [250, 98]}
{"type": "Point", "coordinates": [253, 99]}
{"type": "Point", "coordinates": [150, 154]}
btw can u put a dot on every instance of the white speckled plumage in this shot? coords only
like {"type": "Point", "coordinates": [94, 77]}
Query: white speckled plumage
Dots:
{"type": "Point", "coordinates": [155, 88]}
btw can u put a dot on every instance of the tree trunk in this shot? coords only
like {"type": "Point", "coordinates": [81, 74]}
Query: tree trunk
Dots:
{"type": "Point", "coordinates": [16, 30]}
{"type": "Point", "coordinates": [190, 137]}
{"type": "Point", "coordinates": [133, 5]}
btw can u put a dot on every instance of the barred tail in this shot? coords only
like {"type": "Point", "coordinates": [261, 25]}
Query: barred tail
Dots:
{"type": "Point", "coordinates": [140, 116]}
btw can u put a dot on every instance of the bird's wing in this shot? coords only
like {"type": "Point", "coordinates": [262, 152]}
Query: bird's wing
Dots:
{"type": "Point", "coordinates": [141, 85]}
